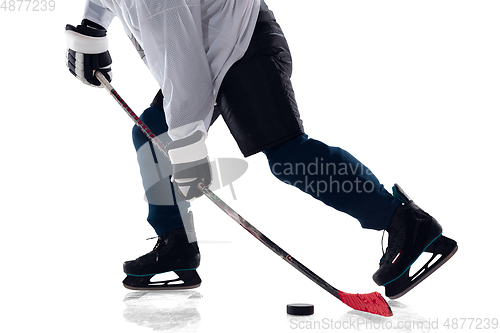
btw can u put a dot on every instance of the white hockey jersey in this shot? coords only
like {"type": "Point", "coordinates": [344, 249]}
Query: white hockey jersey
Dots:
{"type": "Point", "coordinates": [188, 45]}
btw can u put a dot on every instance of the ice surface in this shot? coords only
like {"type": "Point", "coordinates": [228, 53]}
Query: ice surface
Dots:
{"type": "Point", "coordinates": [174, 311]}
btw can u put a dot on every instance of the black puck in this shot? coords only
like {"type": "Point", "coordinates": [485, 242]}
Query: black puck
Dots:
{"type": "Point", "coordinates": [300, 309]}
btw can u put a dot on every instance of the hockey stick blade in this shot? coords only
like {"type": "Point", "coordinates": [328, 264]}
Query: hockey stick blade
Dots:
{"type": "Point", "coordinates": [372, 303]}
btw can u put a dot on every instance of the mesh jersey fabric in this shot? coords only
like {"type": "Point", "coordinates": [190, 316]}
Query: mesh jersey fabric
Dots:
{"type": "Point", "coordinates": [188, 45]}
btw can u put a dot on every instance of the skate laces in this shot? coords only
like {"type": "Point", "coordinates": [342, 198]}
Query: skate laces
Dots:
{"type": "Point", "coordinates": [390, 245]}
{"type": "Point", "coordinates": [157, 242]}
{"type": "Point", "coordinates": [156, 249]}
{"type": "Point", "coordinates": [396, 237]}
{"type": "Point", "coordinates": [384, 252]}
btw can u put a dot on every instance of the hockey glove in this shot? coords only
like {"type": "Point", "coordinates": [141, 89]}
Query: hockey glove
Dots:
{"type": "Point", "coordinates": [189, 157]}
{"type": "Point", "coordinates": [88, 52]}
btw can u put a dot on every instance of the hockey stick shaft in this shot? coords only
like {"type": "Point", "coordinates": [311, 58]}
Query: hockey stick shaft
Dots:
{"type": "Point", "coordinates": [267, 242]}
{"type": "Point", "coordinates": [358, 301]}
{"type": "Point", "coordinates": [150, 135]}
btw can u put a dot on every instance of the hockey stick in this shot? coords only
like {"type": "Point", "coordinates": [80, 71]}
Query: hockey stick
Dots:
{"type": "Point", "coordinates": [372, 303]}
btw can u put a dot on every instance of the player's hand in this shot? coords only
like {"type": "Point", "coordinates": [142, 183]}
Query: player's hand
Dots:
{"type": "Point", "coordinates": [191, 166]}
{"type": "Point", "coordinates": [88, 52]}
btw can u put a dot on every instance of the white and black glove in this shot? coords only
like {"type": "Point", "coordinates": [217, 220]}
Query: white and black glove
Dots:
{"type": "Point", "coordinates": [88, 52]}
{"type": "Point", "coordinates": [191, 166]}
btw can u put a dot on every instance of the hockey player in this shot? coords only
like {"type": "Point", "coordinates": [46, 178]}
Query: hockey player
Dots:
{"type": "Point", "coordinates": [230, 58]}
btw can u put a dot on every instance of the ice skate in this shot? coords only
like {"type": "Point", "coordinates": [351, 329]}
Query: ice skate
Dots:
{"type": "Point", "coordinates": [411, 233]}
{"type": "Point", "coordinates": [172, 253]}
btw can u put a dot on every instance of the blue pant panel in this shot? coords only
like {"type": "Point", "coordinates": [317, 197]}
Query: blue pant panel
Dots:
{"type": "Point", "coordinates": [165, 213]}
{"type": "Point", "coordinates": [335, 177]}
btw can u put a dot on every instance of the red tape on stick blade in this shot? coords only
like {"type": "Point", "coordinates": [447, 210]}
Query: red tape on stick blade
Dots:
{"type": "Point", "coordinates": [371, 303]}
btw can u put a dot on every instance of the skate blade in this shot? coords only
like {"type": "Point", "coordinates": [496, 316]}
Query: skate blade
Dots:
{"type": "Point", "coordinates": [444, 246]}
{"type": "Point", "coordinates": [189, 278]}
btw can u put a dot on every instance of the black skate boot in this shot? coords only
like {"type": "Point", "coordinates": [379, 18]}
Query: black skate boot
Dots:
{"type": "Point", "coordinates": [172, 253]}
{"type": "Point", "coordinates": [411, 232]}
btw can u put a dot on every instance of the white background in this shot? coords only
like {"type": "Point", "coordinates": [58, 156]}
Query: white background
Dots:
{"type": "Point", "coordinates": [411, 88]}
